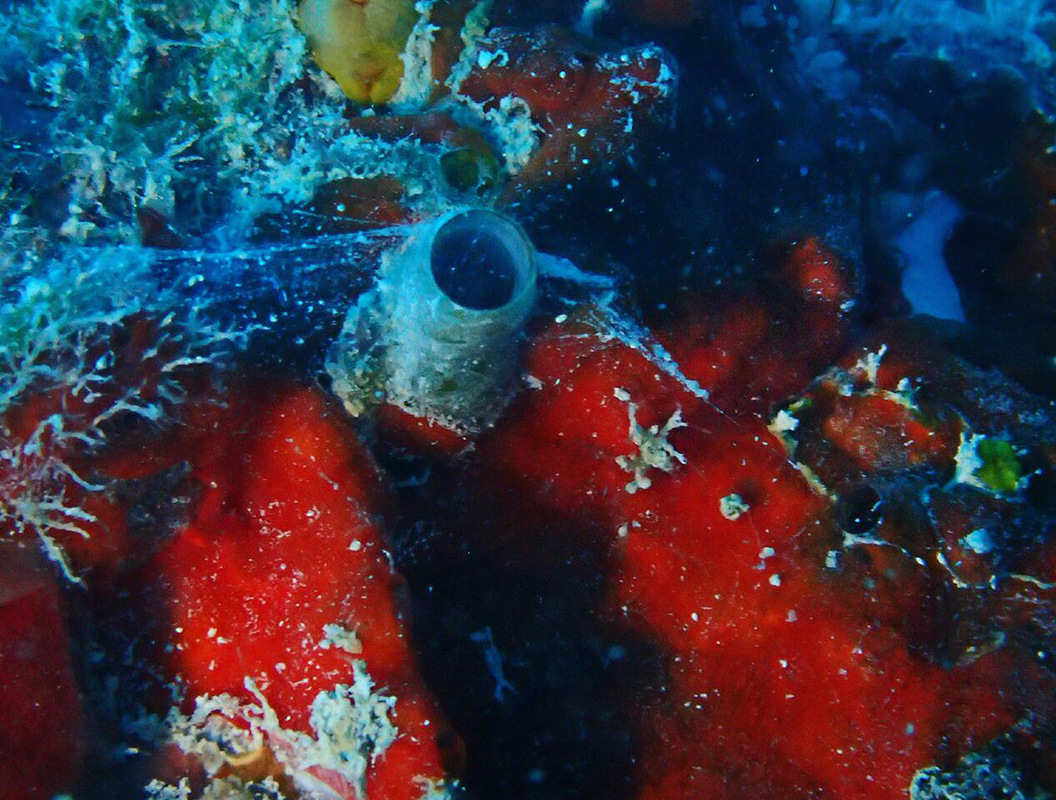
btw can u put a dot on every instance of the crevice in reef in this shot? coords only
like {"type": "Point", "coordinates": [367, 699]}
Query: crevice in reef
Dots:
{"type": "Point", "coordinates": [544, 691]}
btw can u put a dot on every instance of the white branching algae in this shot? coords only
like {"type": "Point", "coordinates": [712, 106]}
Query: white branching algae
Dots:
{"type": "Point", "coordinates": [56, 334]}
{"type": "Point", "coordinates": [654, 451]}
{"type": "Point", "coordinates": [417, 84]}
{"type": "Point", "coordinates": [508, 122]}
{"type": "Point", "coordinates": [209, 733]}
{"type": "Point", "coordinates": [352, 727]}
{"type": "Point", "coordinates": [217, 789]}
{"type": "Point", "coordinates": [150, 95]}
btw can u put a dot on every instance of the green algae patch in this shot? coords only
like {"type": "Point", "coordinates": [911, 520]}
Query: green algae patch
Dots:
{"type": "Point", "coordinates": [1000, 469]}
{"type": "Point", "coordinates": [989, 463]}
{"type": "Point", "coordinates": [470, 170]}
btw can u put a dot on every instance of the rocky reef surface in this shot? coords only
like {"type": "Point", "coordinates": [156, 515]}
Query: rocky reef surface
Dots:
{"type": "Point", "coordinates": [645, 399]}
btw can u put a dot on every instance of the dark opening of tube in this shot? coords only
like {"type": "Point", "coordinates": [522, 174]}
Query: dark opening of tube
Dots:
{"type": "Point", "coordinates": [473, 265]}
{"type": "Point", "coordinates": [858, 511]}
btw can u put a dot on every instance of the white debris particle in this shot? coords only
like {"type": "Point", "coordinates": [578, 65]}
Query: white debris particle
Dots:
{"type": "Point", "coordinates": [338, 636]}
{"type": "Point", "coordinates": [783, 422]}
{"type": "Point", "coordinates": [832, 559]}
{"type": "Point", "coordinates": [775, 580]}
{"type": "Point", "coordinates": [732, 507]}
{"type": "Point", "coordinates": [978, 541]}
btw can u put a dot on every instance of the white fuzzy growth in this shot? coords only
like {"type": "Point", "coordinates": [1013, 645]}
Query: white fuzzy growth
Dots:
{"type": "Point", "coordinates": [209, 734]}
{"type": "Point", "coordinates": [517, 135]}
{"type": "Point", "coordinates": [148, 92]}
{"type": "Point", "coordinates": [733, 507]}
{"type": "Point", "coordinates": [351, 727]}
{"type": "Point", "coordinates": [159, 790]}
{"type": "Point", "coordinates": [218, 103]}
{"type": "Point", "coordinates": [342, 638]}
{"type": "Point", "coordinates": [472, 34]}
{"type": "Point", "coordinates": [869, 364]}
{"type": "Point", "coordinates": [509, 124]}
{"type": "Point", "coordinates": [417, 84]}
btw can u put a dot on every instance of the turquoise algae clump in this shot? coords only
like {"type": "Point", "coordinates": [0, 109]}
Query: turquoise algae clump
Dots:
{"type": "Point", "coordinates": [209, 113]}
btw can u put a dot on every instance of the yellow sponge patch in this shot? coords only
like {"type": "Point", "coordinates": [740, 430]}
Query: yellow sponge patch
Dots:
{"type": "Point", "coordinates": [359, 43]}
